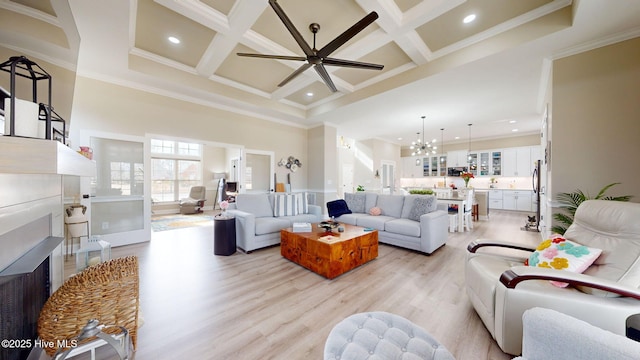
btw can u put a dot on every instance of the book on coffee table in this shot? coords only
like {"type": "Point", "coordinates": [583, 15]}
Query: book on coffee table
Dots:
{"type": "Point", "coordinates": [301, 227]}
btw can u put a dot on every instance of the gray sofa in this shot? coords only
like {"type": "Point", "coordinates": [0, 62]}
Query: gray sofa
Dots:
{"type": "Point", "coordinates": [408, 221]}
{"type": "Point", "coordinates": [260, 217]}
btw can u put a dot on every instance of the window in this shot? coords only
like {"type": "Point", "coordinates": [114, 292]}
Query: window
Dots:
{"type": "Point", "coordinates": [162, 146]}
{"type": "Point", "coordinates": [176, 166]}
{"type": "Point", "coordinates": [122, 175]}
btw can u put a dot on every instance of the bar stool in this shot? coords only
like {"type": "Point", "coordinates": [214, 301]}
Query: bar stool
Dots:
{"type": "Point", "coordinates": [468, 210]}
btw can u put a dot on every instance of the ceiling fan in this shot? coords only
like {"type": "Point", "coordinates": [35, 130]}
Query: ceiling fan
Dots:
{"type": "Point", "coordinates": [315, 57]}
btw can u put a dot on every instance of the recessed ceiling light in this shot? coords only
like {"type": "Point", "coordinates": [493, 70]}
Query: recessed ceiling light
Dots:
{"type": "Point", "coordinates": [457, 137]}
{"type": "Point", "coordinates": [399, 139]}
{"type": "Point", "coordinates": [512, 121]}
{"type": "Point", "coordinates": [514, 130]}
{"type": "Point", "coordinates": [174, 39]}
{"type": "Point", "coordinates": [469, 18]}
{"type": "Point", "coordinates": [309, 94]}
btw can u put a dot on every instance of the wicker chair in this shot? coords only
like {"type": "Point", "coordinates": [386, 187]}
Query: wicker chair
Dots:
{"type": "Point", "coordinates": [107, 292]}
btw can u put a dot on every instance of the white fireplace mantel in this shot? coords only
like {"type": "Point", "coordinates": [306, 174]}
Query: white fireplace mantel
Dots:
{"type": "Point", "coordinates": [38, 156]}
{"type": "Point", "coordinates": [31, 187]}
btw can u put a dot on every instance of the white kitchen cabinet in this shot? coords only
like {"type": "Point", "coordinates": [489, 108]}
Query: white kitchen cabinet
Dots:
{"type": "Point", "coordinates": [435, 165]}
{"type": "Point", "coordinates": [457, 158]}
{"type": "Point", "coordinates": [426, 166]}
{"type": "Point", "coordinates": [496, 163]}
{"type": "Point", "coordinates": [495, 199]}
{"type": "Point", "coordinates": [473, 164]}
{"type": "Point", "coordinates": [423, 166]}
{"type": "Point", "coordinates": [536, 154]}
{"type": "Point", "coordinates": [412, 167]}
{"type": "Point", "coordinates": [483, 163]}
{"type": "Point", "coordinates": [480, 164]}
{"type": "Point", "coordinates": [431, 166]}
{"type": "Point", "coordinates": [517, 161]}
{"type": "Point", "coordinates": [516, 200]}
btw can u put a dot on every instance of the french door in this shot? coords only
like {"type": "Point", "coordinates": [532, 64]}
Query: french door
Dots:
{"type": "Point", "coordinates": [119, 211]}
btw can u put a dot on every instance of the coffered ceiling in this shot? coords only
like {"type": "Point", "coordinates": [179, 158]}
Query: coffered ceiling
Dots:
{"type": "Point", "coordinates": [489, 72]}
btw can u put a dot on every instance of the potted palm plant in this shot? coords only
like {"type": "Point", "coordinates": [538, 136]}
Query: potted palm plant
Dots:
{"type": "Point", "coordinates": [571, 201]}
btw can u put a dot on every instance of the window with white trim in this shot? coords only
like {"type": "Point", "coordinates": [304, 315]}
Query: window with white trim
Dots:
{"type": "Point", "coordinates": [176, 166]}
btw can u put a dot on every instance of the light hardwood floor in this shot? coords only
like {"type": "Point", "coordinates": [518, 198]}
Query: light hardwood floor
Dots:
{"type": "Point", "coordinates": [261, 306]}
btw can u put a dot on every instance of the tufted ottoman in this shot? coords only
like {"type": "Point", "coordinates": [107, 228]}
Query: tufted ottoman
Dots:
{"type": "Point", "coordinates": [383, 336]}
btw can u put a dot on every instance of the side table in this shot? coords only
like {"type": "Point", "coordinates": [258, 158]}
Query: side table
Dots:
{"type": "Point", "coordinates": [224, 235]}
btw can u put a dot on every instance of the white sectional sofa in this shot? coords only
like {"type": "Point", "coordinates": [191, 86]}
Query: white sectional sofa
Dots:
{"type": "Point", "coordinates": [260, 217]}
{"type": "Point", "coordinates": [408, 221]}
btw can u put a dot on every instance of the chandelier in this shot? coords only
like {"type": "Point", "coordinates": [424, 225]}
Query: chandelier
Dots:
{"type": "Point", "coordinates": [420, 146]}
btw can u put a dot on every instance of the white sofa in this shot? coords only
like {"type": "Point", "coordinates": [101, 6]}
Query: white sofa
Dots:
{"type": "Point", "coordinates": [400, 222]}
{"type": "Point", "coordinates": [260, 217]}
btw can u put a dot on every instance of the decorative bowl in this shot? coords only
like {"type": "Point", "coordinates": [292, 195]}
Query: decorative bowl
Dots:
{"type": "Point", "coordinates": [328, 226]}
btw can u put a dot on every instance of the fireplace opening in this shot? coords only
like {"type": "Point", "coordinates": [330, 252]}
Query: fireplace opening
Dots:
{"type": "Point", "coordinates": [26, 263]}
{"type": "Point", "coordinates": [22, 297]}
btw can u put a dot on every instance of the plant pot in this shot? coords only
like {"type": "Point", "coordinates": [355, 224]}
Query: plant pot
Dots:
{"type": "Point", "coordinates": [76, 221]}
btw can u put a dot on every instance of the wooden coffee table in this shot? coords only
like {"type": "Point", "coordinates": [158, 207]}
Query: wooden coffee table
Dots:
{"type": "Point", "coordinates": [329, 254]}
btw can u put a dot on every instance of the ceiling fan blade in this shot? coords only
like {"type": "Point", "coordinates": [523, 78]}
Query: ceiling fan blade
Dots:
{"type": "Point", "coordinates": [348, 34]}
{"type": "Point", "coordinates": [353, 64]}
{"type": "Point", "coordinates": [278, 57]}
{"type": "Point", "coordinates": [299, 71]}
{"type": "Point", "coordinates": [325, 77]}
{"type": "Point", "coordinates": [292, 29]}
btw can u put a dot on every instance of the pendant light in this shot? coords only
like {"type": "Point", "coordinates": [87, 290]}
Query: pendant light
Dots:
{"type": "Point", "coordinates": [469, 148]}
{"type": "Point", "coordinates": [442, 145]}
{"type": "Point", "coordinates": [444, 173]}
{"type": "Point", "coordinates": [421, 146]}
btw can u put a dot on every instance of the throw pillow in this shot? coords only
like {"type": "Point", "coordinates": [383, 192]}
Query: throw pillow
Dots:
{"type": "Point", "coordinates": [285, 205]}
{"type": "Point", "coordinates": [375, 211]}
{"type": "Point", "coordinates": [302, 203]}
{"type": "Point", "coordinates": [355, 202]}
{"type": "Point", "coordinates": [562, 254]}
{"type": "Point", "coordinates": [337, 208]}
{"type": "Point", "coordinates": [422, 205]}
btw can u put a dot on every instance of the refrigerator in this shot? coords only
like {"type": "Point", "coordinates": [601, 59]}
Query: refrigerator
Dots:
{"type": "Point", "coordinates": [536, 182]}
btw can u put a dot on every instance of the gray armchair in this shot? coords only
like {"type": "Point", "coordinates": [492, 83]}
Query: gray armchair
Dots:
{"type": "Point", "coordinates": [195, 202]}
{"type": "Point", "coordinates": [606, 295]}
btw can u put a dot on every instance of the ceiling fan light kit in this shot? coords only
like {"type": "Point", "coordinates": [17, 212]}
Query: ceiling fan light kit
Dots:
{"type": "Point", "coordinates": [319, 58]}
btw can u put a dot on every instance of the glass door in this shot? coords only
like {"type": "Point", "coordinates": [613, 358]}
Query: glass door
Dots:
{"type": "Point", "coordinates": [484, 164]}
{"type": "Point", "coordinates": [388, 176]}
{"type": "Point", "coordinates": [117, 208]}
{"type": "Point", "coordinates": [496, 163]}
{"type": "Point", "coordinates": [443, 165]}
{"type": "Point", "coordinates": [434, 166]}
{"type": "Point", "coordinates": [473, 163]}
{"type": "Point", "coordinates": [425, 167]}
